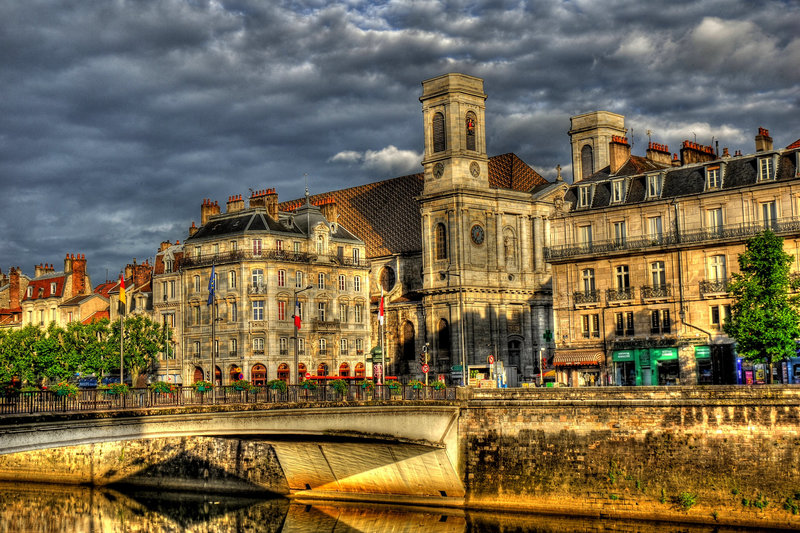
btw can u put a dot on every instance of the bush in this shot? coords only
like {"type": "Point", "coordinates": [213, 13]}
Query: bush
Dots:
{"type": "Point", "coordinates": [686, 500]}
{"type": "Point", "coordinates": [202, 386]}
{"type": "Point", "coordinates": [415, 384]}
{"type": "Point", "coordinates": [367, 385]}
{"type": "Point", "coordinates": [277, 384]}
{"type": "Point", "coordinates": [117, 389]}
{"type": "Point", "coordinates": [163, 387]}
{"type": "Point", "coordinates": [65, 389]}
{"type": "Point", "coordinates": [241, 384]}
{"type": "Point", "coordinates": [339, 385]}
{"type": "Point", "coordinates": [308, 385]}
{"type": "Point", "coordinates": [438, 385]}
{"type": "Point", "coordinates": [394, 386]}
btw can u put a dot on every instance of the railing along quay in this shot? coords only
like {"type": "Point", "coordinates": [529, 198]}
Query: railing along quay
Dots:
{"type": "Point", "coordinates": [32, 402]}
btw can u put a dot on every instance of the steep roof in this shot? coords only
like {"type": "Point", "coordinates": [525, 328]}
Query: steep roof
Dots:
{"type": "Point", "coordinates": [385, 214]}
{"type": "Point", "coordinates": [41, 287]}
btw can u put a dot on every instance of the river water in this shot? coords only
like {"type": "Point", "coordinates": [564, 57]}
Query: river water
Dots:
{"type": "Point", "coordinates": [27, 507]}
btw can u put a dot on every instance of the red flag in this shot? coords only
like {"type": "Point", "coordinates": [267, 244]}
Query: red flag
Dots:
{"type": "Point", "coordinates": [380, 310]}
{"type": "Point", "coordinates": [297, 315]}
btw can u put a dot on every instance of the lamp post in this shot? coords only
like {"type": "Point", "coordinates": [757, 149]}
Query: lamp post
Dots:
{"type": "Point", "coordinates": [295, 372]}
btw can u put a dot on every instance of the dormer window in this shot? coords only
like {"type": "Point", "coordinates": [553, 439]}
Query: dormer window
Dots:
{"type": "Point", "coordinates": [712, 178]}
{"type": "Point", "coordinates": [617, 191]}
{"type": "Point", "coordinates": [52, 287]}
{"type": "Point", "coordinates": [765, 168]}
{"type": "Point", "coordinates": [30, 292]}
{"type": "Point", "coordinates": [654, 183]}
{"type": "Point", "coordinates": [585, 196]}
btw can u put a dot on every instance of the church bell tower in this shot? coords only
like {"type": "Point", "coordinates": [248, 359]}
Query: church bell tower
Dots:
{"type": "Point", "coordinates": [453, 111]}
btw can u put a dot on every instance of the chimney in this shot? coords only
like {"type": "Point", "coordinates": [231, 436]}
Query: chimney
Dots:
{"type": "Point", "coordinates": [207, 210]}
{"type": "Point", "coordinates": [692, 152]}
{"type": "Point", "coordinates": [725, 152]}
{"type": "Point", "coordinates": [14, 290]}
{"type": "Point", "coordinates": [659, 153]}
{"type": "Point", "coordinates": [141, 273]}
{"type": "Point", "coordinates": [129, 269]}
{"type": "Point", "coordinates": [763, 141]}
{"type": "Point", "coordinates": [235, 203]}
{"type": "Point", "coordinates": [675, 161]}
{"type": "Point", "coordinates": [619, 152]}
{"type": "Point", "coordinates": [68, 263]}
{"type": "Point", "coordinates": [193, 229]}
{"type": "Point", "coordinates": [259, 198]}
{"type": "Point", "coordinates": [164, 246]}
{"type": "Point", "coordinates": [328, 208]}
{"type": "Point", "coordinates": [272, 203]}
{"type": "Point", "coordinates": [78, 274]}
{"type": "Point", "coordinates": [38, 270]}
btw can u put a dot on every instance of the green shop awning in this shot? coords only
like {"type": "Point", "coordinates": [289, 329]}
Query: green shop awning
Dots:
{"type": "Point", "coordinates": [622, 355]}
{"type": "Point", "coordinates": [702, 352]}
{"type": "Point", "coordinates": [663, 354]}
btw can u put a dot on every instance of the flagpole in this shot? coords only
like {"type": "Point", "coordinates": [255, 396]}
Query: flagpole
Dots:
{"type": "Point", "coordinates": [212, 297]}
{"type": "Point", "coordinates": [122, 306]}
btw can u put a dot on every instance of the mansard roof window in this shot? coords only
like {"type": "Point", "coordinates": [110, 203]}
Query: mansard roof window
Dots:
{"type": "Point", "coordinates": [654, 185]}
{"type": "Point", "coordinates": [766, 168]}
{"type": "Point", "coordinates": [618, 191]}
{"type": "Point", "coordinates": [585, 196]}
{"type": "Point", "coordinates": [713, 178]}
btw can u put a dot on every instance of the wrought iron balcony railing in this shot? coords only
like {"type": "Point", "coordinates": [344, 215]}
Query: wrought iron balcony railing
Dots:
{"type": "Point", "coordinates": [267, 255]}
{"type": "Point", "coordinates": [660, 291]}
{"type": "Point", "coordinates": [586, 297]}
{"type": "Point", "coordinates": [712, 286]}
{"type": "Point", "coordinates": [783, 226]}
{"type": "Point", "coordinates": [617, 295]}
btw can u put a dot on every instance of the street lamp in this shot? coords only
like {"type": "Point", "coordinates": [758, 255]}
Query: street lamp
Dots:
{"type": "Point", "coordinates": [295, 372]}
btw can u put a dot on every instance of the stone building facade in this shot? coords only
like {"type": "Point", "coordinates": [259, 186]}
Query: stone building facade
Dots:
{"type": "Point", "coordinates": [642, 251]}
{"type": "Point", "coordinates": [265, 260]}
{"type": "Point", "coordinates": [458, 249]}
{"type": "Point", "coordinates": [13, 287]}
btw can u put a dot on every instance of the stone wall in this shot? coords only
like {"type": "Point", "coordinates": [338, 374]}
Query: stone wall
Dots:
{"type": "Point", "coordinates": [715, 454]}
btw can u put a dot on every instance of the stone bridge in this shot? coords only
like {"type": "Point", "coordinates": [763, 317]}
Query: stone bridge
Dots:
{"type": "Point", "coordinates": [404, 450]}
{"type": "Point", "coordinates": [716, 455]}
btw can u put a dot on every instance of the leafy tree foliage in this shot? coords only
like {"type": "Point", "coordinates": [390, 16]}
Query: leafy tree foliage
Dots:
{"type": "Point", "coordinates": [764, 315]}
{"type": "Point", "coordinates": [31, 354]}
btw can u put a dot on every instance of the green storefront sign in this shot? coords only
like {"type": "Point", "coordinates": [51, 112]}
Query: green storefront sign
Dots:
{"type": "Point", "coordinates": [659, 372]}
{"type": "Point", "coordinates": [647, 362]}
{"type": "Point", "coordinates": [622, 355]}
{"type": "Point", "coordinates": [702, 352]}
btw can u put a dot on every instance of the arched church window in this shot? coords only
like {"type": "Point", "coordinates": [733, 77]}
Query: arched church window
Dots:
{"type": "Point", "coordinates": [439, 144]}
{"type": "Point", "coordinates": [388, 278]}
{"type": "Point", "coordinates": [471, 124]}
{"type": "Point", "coordinates": [441, 241]}
{"type": "Point", "coordinates": [444, 339]}
{"type": "Point", "coordinates": [409, 351]}
{"type": "Point", "coordinates": [587, 161]}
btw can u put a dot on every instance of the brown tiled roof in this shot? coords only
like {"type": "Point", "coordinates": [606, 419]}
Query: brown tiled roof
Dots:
{"type": "Point", "coordinates": [386, 216]}
{"type": "Point", "coordinates": [794, 145]}
{"type": "Point", "coordinates": [103, 288]}
{"type": "Point", "coordinates": [97, 316]}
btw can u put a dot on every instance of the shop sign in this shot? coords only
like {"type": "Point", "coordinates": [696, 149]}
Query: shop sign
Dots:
{"type": "Point", "coordinates": [625, 355]}
{"type": "Point", "coordinates": [702, 352]}
{"type": "Point", "coordinates": [663, 353]}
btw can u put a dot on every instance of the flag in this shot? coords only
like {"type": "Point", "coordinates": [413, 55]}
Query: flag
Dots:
{"type": "Point", "coordinates": [122, 300]}
{"type": "Point", "coordinates": [380, 310]}
{"type": "Point", "coordinates": [211, 286]}
{"type": "Point", "coordinates": [297, 320]}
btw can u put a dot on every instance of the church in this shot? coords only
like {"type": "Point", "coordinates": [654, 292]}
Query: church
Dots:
{"type": "Point", "coordinates": [457, 251]}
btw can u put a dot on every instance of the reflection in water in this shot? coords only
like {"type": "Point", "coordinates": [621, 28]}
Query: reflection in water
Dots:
{"type": "Point", "coordinates": [55, 508]}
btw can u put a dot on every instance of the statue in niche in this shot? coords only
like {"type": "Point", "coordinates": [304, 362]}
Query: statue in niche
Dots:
{"type": "Point", "coordinates": [508, 250]}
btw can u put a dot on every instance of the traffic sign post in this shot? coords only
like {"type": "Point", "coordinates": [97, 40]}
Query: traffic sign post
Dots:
{"type": "Point", "coordinates": [425, 368]}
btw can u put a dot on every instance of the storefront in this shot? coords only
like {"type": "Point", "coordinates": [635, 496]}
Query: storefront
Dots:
{"type": "Point", "coordinates": [579, 368]}
{"type": "Point", "coordinates": [645, 366]}
{"type": "Point", "coordinates": [626, 368]}
{"type": "Point", "coordinates": [793, 367]}
{"type": "Point", "coordinates": [705, 369]}
{"type": "Point", "coordinates": [664, 366]}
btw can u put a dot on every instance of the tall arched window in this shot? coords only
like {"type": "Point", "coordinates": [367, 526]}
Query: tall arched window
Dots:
{"type": "Point", "coordinates": [409, 342]}
{"type": "Point", "coordinates": [258, 375]}
{"type": "Point", "coordinates": [283, 372]}
{"type": "Point", "coordinates": [441, 241]}
{"type": "Point", "coordinates": [471, 125]}
{"type": "Point", "coordinates": [444, 339]}
{"type": "Point", "coordinates": [587, 161]}
{"type": "Point", "coordinates": [439, 144]}
{"type": "Point", "coordinates": [322, 369]}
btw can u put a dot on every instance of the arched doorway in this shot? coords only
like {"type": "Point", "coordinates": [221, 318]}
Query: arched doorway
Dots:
{"type": "Point", "coordinates": [514, 352]}
{"type": "Point", "coordinates": [344, 370]}
{"type": "Point", "coordinates": [443, 348]}
{"type": "Point", "coordinates": [258, 375]}
{"type": "Point", "coordinates": [283, 372]}
{"type": "Point", "coordinates": [235, 373]}
{"type": "Point", "coordinates": [360, 370]}
{"type": "Point", "coordinates": [322, 369]}
{"type": "Point", "coordinates": [301, 371]}
{"type": "Point", "coordinates": [199, 375]}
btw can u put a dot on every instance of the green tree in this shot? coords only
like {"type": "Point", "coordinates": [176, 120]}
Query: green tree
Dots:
{"type": "Point", "coordinates": [143, 340]}
{"type": "Point", "coordinates": [87, 348]}
{"type": "Point", "coordinates": [764, 315]}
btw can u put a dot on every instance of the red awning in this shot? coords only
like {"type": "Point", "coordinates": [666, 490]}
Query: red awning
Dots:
{"type": "Point", "coordinates": [578, 358]}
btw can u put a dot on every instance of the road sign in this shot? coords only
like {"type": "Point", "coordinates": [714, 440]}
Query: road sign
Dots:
{"type": "Point", "coordinates": [491, 359]}
{"type": "Point", "coordinates": [456, 368]}
{"type": "Point", "coordinates": [308, 375]}
{"type": "Point", "coordinates": [425, 369]}
{"type": "Point", "coordinates": [455, 375]}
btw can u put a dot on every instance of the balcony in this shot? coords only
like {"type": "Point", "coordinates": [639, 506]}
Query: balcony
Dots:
{"type": "Point", "coordinates": [624, 332]}
{"type": "Point", "coordinates": [284, 351]}
{"type": "Point", "coordinates": [734, 232]}
{"type": "Point", "coordinates": [257, 288]}
{"type": "Point", "coordinates": [323, 351]}
{"type": "Point", "coordinates": [325, 325]}
{"type": "Point", "coordinates": [657, 292]}
{"type": "Point", "coordinates": [232, 353]}
{"type": "Point", "coordinates": [258, 352]}
{"type": "Point", "coordinates": [715, 287]}
{"type": "Point", "coordinates": [619, 295]}
{"type": "Point", "coordinates": [586, 297]}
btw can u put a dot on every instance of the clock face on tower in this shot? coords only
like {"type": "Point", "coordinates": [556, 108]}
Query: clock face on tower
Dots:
{"type": "Point", "coordinates": [477, 234]}
{"type": "Point", "coordinates": [438, 170]}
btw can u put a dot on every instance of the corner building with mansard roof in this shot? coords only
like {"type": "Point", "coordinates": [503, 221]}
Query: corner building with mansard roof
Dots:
{"type": "Point", "coordinates": [263, 259]}
{"type": "Point", "coordinates": [642, 249]}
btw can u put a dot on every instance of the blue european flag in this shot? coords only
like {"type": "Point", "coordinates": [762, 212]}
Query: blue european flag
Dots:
{"type": "Point", "coordinates": [211, 286]}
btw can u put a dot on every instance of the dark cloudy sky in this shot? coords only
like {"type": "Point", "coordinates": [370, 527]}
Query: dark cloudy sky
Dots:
{"type": "Point", "coordinates": [118, 117]}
